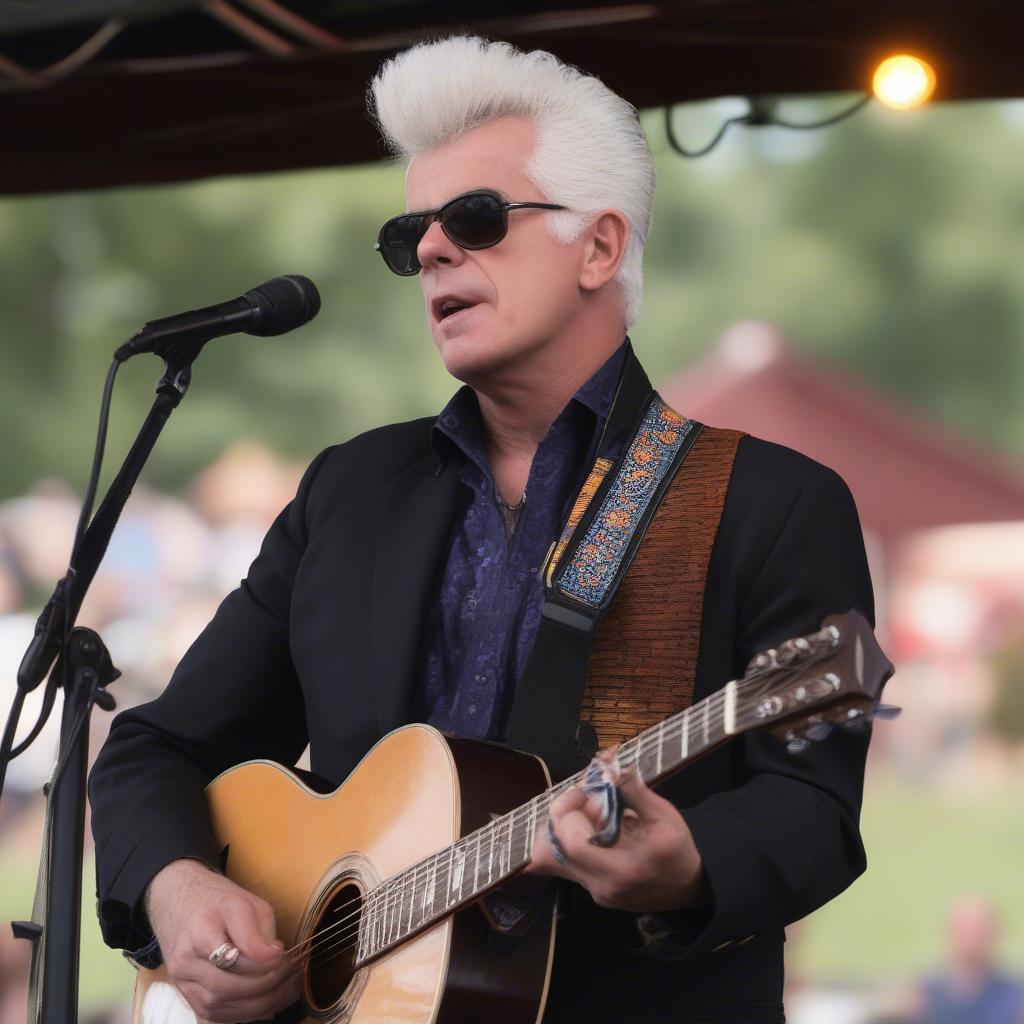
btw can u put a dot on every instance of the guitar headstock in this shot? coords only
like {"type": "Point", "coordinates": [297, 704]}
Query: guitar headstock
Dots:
{"type": "Point", "coordinates": [807, 685]}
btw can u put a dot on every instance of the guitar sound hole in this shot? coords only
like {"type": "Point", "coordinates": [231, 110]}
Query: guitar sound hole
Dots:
{"type": "Point", "coordinates": [333, 950]}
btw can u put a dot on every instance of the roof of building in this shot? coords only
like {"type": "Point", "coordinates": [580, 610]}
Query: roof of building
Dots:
{"type": "Point", "coordinates": [906, 472]}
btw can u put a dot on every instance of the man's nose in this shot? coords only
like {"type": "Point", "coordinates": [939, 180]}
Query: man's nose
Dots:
{"type": "Point", "coordinates": [436, 248]}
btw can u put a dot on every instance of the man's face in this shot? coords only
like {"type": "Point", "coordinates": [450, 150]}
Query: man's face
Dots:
{"type": "Point", "coordinates": [522, 292]}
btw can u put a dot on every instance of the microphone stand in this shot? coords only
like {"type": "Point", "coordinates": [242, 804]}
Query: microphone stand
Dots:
{"type": "Point", "coordinates": [86, 668]}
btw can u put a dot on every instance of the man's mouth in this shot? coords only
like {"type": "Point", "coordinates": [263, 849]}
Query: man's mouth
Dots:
{"type": "Point", "coordinates": [451, 308]}
{"type": "Point", "coordinates": [444, 307]}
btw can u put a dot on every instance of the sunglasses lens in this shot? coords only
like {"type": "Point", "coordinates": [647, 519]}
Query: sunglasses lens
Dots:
{"type": "Point", "coordinates": [398, 241]}
{"type": "Point", "coordinates": [475, 221]}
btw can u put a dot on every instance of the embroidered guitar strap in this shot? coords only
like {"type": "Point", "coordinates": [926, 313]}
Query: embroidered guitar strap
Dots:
{"type": "Point", "coordinates": [617, 645]}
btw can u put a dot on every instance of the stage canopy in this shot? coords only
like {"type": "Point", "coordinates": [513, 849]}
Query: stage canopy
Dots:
{"type": "Point", "coordinates": [99, 93]}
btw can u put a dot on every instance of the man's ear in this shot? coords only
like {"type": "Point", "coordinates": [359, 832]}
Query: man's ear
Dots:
{"type": "Point", "coordinates": [605, 245]}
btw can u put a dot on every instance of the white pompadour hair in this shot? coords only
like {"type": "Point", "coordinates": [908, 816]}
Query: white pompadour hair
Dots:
{"type": "Point", "coordinates": [590, 152]}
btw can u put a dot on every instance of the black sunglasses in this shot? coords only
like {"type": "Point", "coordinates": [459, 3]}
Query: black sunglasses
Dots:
{"type": "Point", "coordinates": [476, 220]}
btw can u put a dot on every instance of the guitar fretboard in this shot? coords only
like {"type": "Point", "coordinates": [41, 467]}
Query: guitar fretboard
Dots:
{"type": "Point", "coordinates": [428, 891]}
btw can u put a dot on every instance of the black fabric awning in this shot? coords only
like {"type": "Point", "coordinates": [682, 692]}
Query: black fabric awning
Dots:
{"type": "Point", "coordinates": [170, 90]}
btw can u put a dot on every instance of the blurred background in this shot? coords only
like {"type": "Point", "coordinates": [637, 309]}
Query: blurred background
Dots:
{"type": "Point", "coordinates": [855, 292]}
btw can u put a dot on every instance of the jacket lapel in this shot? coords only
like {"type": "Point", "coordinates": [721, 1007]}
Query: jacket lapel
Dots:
{"type": "Point", "coordinates": [415, 523]}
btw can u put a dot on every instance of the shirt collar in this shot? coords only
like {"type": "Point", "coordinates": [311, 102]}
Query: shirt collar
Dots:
{"type": "Point", "coordinates": [459, 427]}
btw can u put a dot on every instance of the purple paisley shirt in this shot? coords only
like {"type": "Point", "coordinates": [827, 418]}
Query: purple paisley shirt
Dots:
{"type": "Point", "coordinates": [484, 616]}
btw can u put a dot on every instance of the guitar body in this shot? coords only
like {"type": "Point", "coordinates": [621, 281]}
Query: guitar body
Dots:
{"type": "Point", "coordinates": [308, 854]}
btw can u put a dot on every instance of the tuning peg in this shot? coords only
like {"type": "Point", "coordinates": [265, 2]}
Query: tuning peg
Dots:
{"type": "Point", "coordinates": [819, 731]}
{"type": "Point", "coordinates": [887, 712]}
{"type": "Point", "coordinates": [856, 719]}
{"type": "Point", "coordinates": [797, 745]}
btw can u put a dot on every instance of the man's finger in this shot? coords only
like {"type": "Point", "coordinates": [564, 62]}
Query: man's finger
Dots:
{"type": "Point", "coordinates": [222, 988]}
{"type": "Point", "coordinates": [638, 795]}
{"type": "Point", "coordinates": [263, 1005]}
{"type": "Point", "coordinates": [574, 831]}
{"type": "Point", "coordinates": [571, 800]}
{"type": "Point", "coordinates": [248, 929]}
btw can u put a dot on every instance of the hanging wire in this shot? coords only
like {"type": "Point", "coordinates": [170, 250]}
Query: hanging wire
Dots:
{"type": "Point", "coordinates": [29, 79]}
{"type": "Point", "coordinates": [760, 113]}
{"type": "Point", "coordinates": [243, 25]}
{"type": "Point", "coordinates": [298, 26]}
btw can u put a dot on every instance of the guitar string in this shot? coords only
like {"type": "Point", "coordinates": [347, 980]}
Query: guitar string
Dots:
{"type": "Point", "coordinates": [344, 942]}
{"type": "Point", "coordinates": [379, 905]}
{"type": "Point", "coordinates": [339, 944]}
{"type": "Point", "coordinates": [408, 880]}
{"type": "Point", "coordinates": [396, 893]}
{"type": "Point", "coordinates": [408, 885]}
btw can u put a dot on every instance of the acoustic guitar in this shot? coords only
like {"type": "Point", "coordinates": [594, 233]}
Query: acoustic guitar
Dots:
{"type": "Point", "coordinates": [400, 892]}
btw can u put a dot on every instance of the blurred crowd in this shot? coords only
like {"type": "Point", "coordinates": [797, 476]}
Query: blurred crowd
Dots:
{"type": "Point", "coordinates": [170, 562]}
{"type": "Point", "coordinates": [968, 986]}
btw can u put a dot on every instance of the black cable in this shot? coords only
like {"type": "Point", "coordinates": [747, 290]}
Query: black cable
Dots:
{"type": "Point", "coordinates": [97, 461]}
{"type": "Point", "coordinates": [834, 119]}
{"type": "Point", "coordinates": [8, 740]}
{"type": "Point", "coordinates": [692, 154]}
{"type": "Point", "coordinates": [758, 115]}
{"type": "Point", "coordinates": [49, 695]}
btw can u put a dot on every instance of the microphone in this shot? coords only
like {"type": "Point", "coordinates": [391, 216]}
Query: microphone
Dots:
{"type": "Point", "coordinates": [274, 307]}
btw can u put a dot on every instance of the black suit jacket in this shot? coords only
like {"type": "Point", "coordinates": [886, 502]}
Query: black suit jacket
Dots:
{"type": "Point", "coordinates": [320, 643]}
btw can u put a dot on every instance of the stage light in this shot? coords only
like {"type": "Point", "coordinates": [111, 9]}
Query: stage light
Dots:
{"type": "Point", "coordinates": [903, 82]}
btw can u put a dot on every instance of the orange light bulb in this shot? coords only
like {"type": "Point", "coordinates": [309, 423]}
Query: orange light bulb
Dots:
{"type": "Point", "coordinates": [903, 82]}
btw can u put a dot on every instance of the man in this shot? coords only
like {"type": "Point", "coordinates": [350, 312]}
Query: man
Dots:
{"type": "Point", "coordinates": [972, 989]}
{"type": "Point", "coordinates": [403, 584]}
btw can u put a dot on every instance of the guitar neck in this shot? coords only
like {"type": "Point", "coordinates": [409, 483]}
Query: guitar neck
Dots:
{"type": "Point", "coordinates": [428, 891]}
{"type": "Point", "coordinates": [802, 688]}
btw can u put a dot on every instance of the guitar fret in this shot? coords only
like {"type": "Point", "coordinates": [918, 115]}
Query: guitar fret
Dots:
{"type": "Point", "coordinates": [503, 852]}
{"type": "Point", "coordinates": [647, 742]}
{"type": "Point", "coordinates": [707, 709]}
{"type": "Point", "coordinates": [685, 748]}
{"type": "Point", "coordinates": [458, 866]}
{"type": "Point", "coordinates": [392, 915]}
{"type": "Point", "coordinates": [411, 889]}
{"type": "Point", "coordinates": [476, 863]}
{"type": "Point", "coordinates": [531, 830]}
{"type": "Point", "coordinates": [661, 740]}
{"type": "Point", "coordinates": [730, 708]}
{"type": "Point", "coordinates": [428, 889]}
{"type": "Point", "coordinates": [366, 926]}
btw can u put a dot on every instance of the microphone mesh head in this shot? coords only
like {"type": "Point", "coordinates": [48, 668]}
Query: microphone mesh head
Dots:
{"type": "Point", "coordinates": [282, 304]}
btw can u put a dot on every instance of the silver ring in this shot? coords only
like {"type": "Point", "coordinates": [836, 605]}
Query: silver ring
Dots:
{"type": "Point", "coordinates": [224, 956]}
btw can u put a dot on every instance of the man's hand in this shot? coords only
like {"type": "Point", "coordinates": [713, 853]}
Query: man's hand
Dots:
{"type": "Point", "coordinates": [192, 910]}
{"type": "Point", "coordinates": [654, 866]}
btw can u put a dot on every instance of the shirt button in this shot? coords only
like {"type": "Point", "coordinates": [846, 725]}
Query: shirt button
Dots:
{"type": "Point", "coordinates": [449, 420]}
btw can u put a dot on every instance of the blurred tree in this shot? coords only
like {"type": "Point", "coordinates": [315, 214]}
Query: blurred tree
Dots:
{"type": "Point", "coordinates": [888, 245]}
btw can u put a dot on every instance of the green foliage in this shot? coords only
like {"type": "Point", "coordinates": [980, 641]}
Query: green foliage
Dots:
{"type": "Point", "coordinates": [888, 245]}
